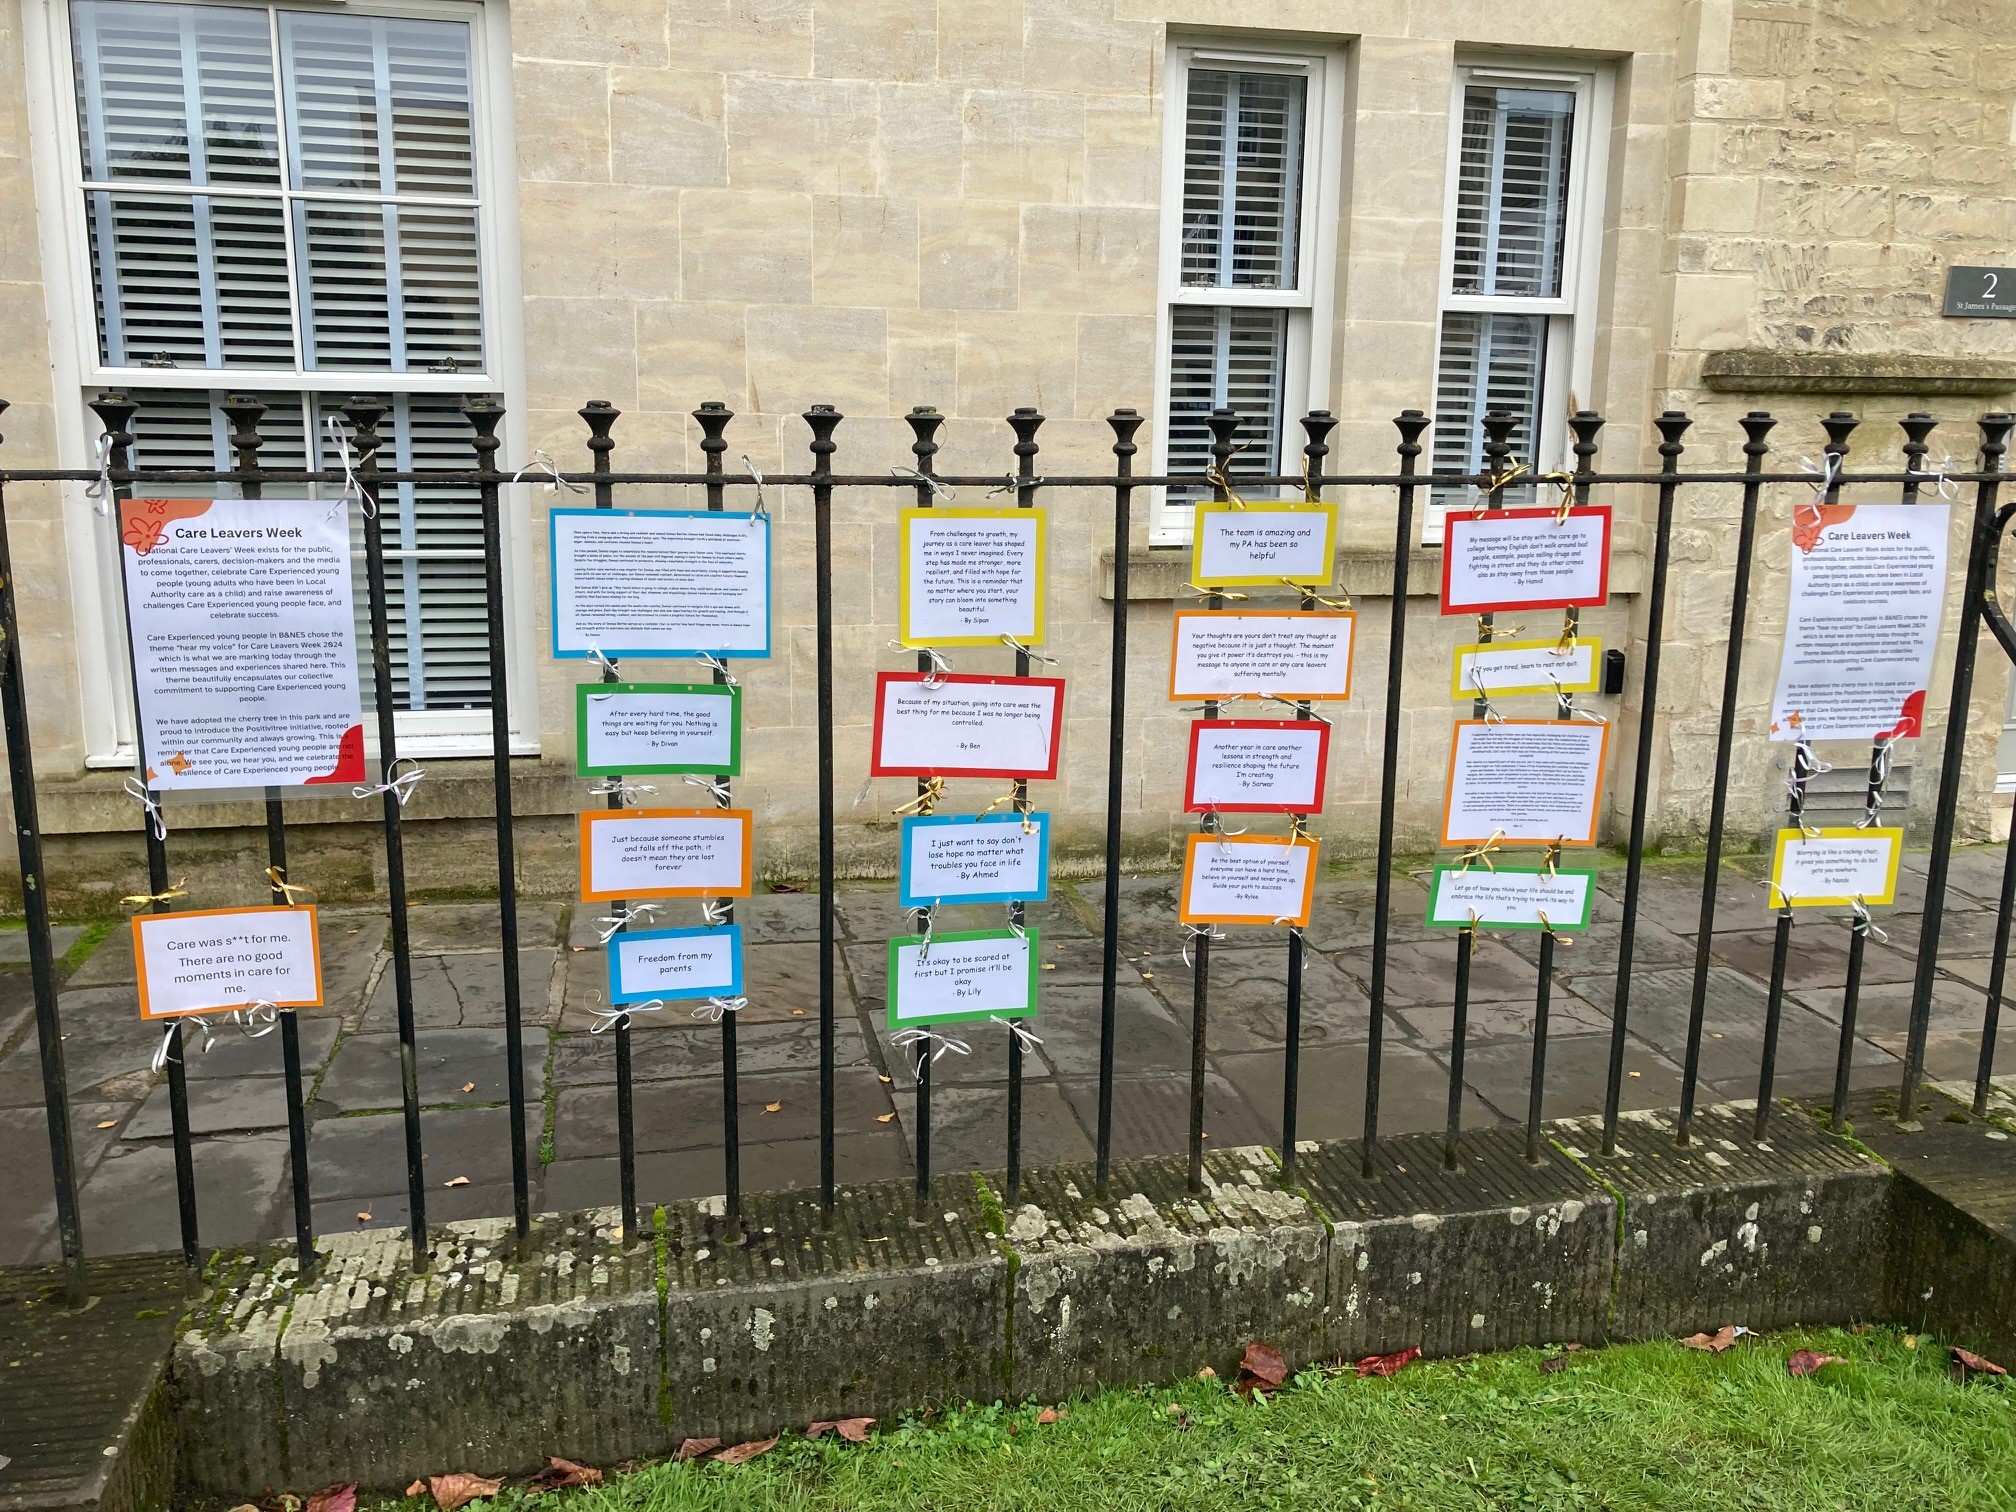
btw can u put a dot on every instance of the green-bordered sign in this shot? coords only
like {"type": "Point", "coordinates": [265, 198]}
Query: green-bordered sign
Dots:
{"type": "Point", "coordinates": [633, 729]}
{"type": "Point", "coordinates": [1512, 897]}
{"type": "Point", "coordinates": [950, 978]}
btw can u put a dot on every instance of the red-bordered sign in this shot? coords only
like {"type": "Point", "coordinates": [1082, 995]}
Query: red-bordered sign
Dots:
{"type": "Point", "coordinates": [1303, 746]}
{"type": "Point", "coordinates": [948, 726]}
{"type": "Point", "coordinates": [1549, 584]}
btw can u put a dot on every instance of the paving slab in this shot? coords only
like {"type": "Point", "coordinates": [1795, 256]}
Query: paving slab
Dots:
{"type": "Point", "coordinates": [1670, 897]}
{"type": "Point", "coordinates": [104, 1040]}
{"type": "Point", "coordinates": [1426, 973]}
{"type": "Point", "coordinates": [687, 1048]}
{"type": "Point", "coordinates": [365, 1072]}
{"type": "Point", "coordinates": [1249, 997]}
{"type": "Point", "coordinates": [217, 1105]}
{"type": "Point", "coordinates": [14, 943]}
{"type": "Point", "coordinates": [129, 1203]}
{"type": "Point", "coordinates": [27, 1181]}
{"type": "Point", "coordinates": [969, 1127]}
{"type": "Point", "coordinates": [463, 991]}
{"type": "Point", "coordinates": [1815, 957]}
{"type": "Point", "coordinates": [690, 1175]}
{"type": "Point", "coordinates": [365, 1157]}
{"type": "Point", "coordinates": [686, 1115]}
{"type": "Point", "coordinates": [1488, 1022]}
{"type": "Point", "coordinates": [1578, 1076]}
{"type": "Point", "coordinates": [1148, 1036]}
{"type": "Point", "coordinates": [435, 927]}
{"type": "Point", "coordinates": [1151, 1114]}
{"type": "Point", "coordinates": [1414, 1091]}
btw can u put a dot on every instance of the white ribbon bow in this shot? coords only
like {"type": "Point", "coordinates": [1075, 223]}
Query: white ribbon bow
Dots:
{"type": "Point", "coordinates": [400, 786]}
{"type": "Point", "coordinates": [922, 1041]}
{"type": "Point", "coordinates": [339, 437]}
{"type": "Point", "coordinates": [554, 481]}
{"type": "Point", "coordinates": [145, 797]}
{"type": "Point", "coordinates": [1197, 932]}
{"type": "Point", "coordinates": [721, 796]}
{"type": "Point", "coordinates": [99, 491]}
{"type": "Point", "coordinates": [939, 490]}
{"type": "Point", "coordinates": [618, 1014]}
{"type": "Point", "coordinates": [617, 787]}
{"type": "Point", "coordinates": [714, 663]}
{"type": "Point", "coordinates": [756, 473]}
{"type": "Point", "coordinates": [714, 1009]}
{"type": "Point", "coordinates": [623, 917]}
{"type": "Point", "coordinates": [1029, 1041]}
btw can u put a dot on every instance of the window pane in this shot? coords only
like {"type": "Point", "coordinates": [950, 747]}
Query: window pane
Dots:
{"type": "Point", "coordinates": [176, 92]}
{"type": "Point", "coordinates": [389, 287]}
{"type": "Point", "coordinates": [190, 280]}
{"type": "Point", "coordinates": [1512, 190]}
{"type": "Point", "coordinates": [1225, 357]}
{"type": "Point", "coordinates": [1487, 362]}
{"type": "Point", "coordinates": [379, 105]}
{"type": "Point", "coordinates": [1242, 179]}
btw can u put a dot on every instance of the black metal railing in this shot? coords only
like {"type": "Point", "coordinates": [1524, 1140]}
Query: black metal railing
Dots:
{"type": "Point", "coordinates": [921, 480]}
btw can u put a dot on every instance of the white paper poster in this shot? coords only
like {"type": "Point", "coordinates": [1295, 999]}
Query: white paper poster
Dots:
{"type": "Point", "coordinates": [1219, 653]}
{"type": "Point", "coordinates": [215, 959]}
{"type": "Point", "coordinates": [958, 725]}
{"type": "Point", "coordinates": [244, 642]}
{"type": "Point", "coordinates": [665, 853]}
{"type": "Point", "coordinates": [660, 582]}
{"type": "Point", "coordinates": [1530, 781]}
{"type": "Point", "coordinates": [1511, 899]}
{"type": "Point", "coordinates": [1525, 559]}
{"type": "Point", "coordinates": [971, 576]}
{"type": "Point", "coordinates": [1247, 879]}
{"type": "Point", "coordinates": [1263, 543]}
{"type": "Point", "coordinates": [638, 729]}
{"type": "Point", "coordinates": [961, 976]}
{"type": "Point", "coordinates": [1834, 867]}
{"type": "Point", "coordinates": [1257, 765]}
{"type": "Point", "coordinates": [1507, 671]}
{"type": "Point", "coordinates": [675, 963]}
{"type": "Point", "coordinates": [990, 859]}
{"type": "Point", "coordinates": [1868, 589]}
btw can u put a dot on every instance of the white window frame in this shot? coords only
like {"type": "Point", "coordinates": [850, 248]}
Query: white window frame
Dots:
{"type": "Point", "coordinates": [1569, 367]}
{"type": "Point", "coordinates": [78, 371]}
{"type": "Point", "coordinates": [1311, 302]}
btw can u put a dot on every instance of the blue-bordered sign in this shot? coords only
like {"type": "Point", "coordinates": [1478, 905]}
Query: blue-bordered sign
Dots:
{"type": "Point", "coordinates": [975, 858]}
{"type": "Point", "coordinates": [676, 963]}
{"type": "Point", "coordinates": [660, 582]}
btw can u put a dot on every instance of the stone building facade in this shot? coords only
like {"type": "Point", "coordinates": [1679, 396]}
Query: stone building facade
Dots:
{"type": "Point", "coordinates": [983, 204]}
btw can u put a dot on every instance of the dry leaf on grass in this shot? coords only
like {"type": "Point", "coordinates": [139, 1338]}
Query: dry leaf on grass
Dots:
{"type": "Point", "coordinates": [335, 1499]}
{"type": "Point", "coordinates": [1554, 1366]}
{"type": "Point", "coordinates": [786, 887]}
{"type": "Point", "coordinates": [1965, 1360]}
{"type": "Point", "coordinates": [1713, 1343]}
{"type": "Point", "coordinates": [1803, 1362]}
{"type": "Point", "coordinates": [458, 1490]}
{"type": "Point", "coordinates": [854, 1430]}
{"type": "Point", "coordinates": [418, 1488]}
{"type": "Point", "coordinates": [741, 1454]}
{"type": "Point", "coordinates": [1047, 1416]}
{"type": "Point", "coordinates": [1261, 1369]}
{"type": "Point", "coordinates": [564, 1475]}
{"type": "Point", "coordinates": [696, 1449]}
{"type": "Point", "coordinates": [1387, 1364]}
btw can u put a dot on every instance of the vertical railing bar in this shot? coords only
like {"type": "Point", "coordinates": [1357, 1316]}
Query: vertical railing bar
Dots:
{"type": "Point", "coordinates": [1851, 996]}
{"type": "Point", "coordinates": [1672, 426]}
{"type": "Point", "coordinates": [364, 414]}
{"type": "Point", "coordinates": [484, 416]}
{"type": "Point", "coordinates": [1983, 543]}
{"type": "Point", "coordinates": [1125, 422]}
{"type": "Point", "coordinates": [1410, 423]}
{"type": "Point", "coordinates": [1774, 1007]}
{"type": "Point", "coordinates": [244, 413]}
{"type": "Point", "coordinates": [924, 422]}
{"type": "Point", "coordinates": [1025, 422]}
{"type": "Point", "coordinates": [600, 416]}
{"type": "Point", "coordinates": [1757, 425]}
{"type": "Point", "coordinates": [713, 417]}
{"type": "Point", "coordinates": [1991, 1013]}
{"type": "Point", "coordinates": [35, 912]}
{"type": "Point", "coordinates": [823, 420]}
{"type": "Point", "coordinates": [117, 412]}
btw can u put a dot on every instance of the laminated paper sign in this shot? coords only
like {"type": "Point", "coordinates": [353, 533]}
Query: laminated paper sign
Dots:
{"type": "Point", "coordinates": [1257, 766]}
{"type": "Point", "coordinates": [1510, 669]}
{"type": "Point", "coordinates": [1525, 559]}
{"type": "Point", "coordinates": [1525, 781]}
{"type": "Point", "coordinates": [660, 582]}
{"type": "Point", "coordinates": [244, 642]}
{"type": "Point", "coordinates": [675, 963]}
{"type": "Point", "coordinates": [967, 577]}
{"type": "Point", "coordinates": [636, 729]}
{"type": "Point", "coordinates": [991, 858]}
{"type": "Point", "coordinates": [1512, 897]}
{"type": "Point", "coordinates": [1221, 653]}
{"type": "Point", "coordinates": [1868, 590]}
{"type": "Point", "coordinates": [977, 974]}
{"type": "Point", "coordinates": [665, 853]}
{"type": "Point", "coordinates": [955, 725]}
{"type": "Point", "coordinates": [213, 960]}
{"type": "Point", "coordinates": [1252, 544]}
{"type": "Point", "coordinates": [1247, 879]}
{"type": "Point", "coordinates": [1835, 867]}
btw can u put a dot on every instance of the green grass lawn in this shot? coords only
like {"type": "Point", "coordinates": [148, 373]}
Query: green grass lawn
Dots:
{"type": "Point", "coordinates": [1645, 1425]}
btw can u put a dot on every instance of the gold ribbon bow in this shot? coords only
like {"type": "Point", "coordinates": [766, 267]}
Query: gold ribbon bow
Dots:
{"type": "Point", "coordinates": [1316, 598]}
{"type": "Point", "coordinates": [926, 801]}
{"type": "Point", "coordinates": [287, 889]}
{"type": "Point", "coordinates": [1481, 853]}
{"type": "Point", "coordinates": [1561, 941]}
{"type": "Point", "coordinates": [140, 900]}
{"type": "Point", "coordinates": [1223, 593]}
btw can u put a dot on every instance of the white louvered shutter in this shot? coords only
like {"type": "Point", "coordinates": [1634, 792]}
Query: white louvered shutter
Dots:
{"type": "Point", "coordinates": [1512, 191]}
{"type": "Point", "coordinates": [1488, 362]}
{"type": "Point", "coordinates": [1242, 179]}
{"type": "Point", "coordinates": [1225, 357]}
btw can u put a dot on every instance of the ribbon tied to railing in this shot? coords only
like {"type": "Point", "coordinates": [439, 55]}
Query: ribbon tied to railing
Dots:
{"type": "Point", "coordinates": [1863, 924]}
{"type": "Point", "coordinates": [596, 656]}
{"type": "Point", "coordinates": [151, 805]}
{"type": "Point", "coordinates": [1194, 932]}
{"type": "Point", "coordinates": [1219, 593]}
{"type": "Point", "coordinates": [616, 787]}
{"type": "Point", "coordinates": [555, 479]}
{"type": "Point", "coordinates": [939, 490]}
{"type": "Point", "coordinates": [929, 1045]}
{"type": "Point", "coordinates": [1015, 645]}
{"type": "Point", "coordinates": [1028, 1041]}
{"type": "Point", "coordinates": [713, 1010]}
{"type": "Point", "coordinates": [756, 477]}
{"type": "Point", "coordinates": [622, 918]}
{"type": "Point", "coordinates": [99, 489]}
{"type": "Point", "coordinates": [1482, 853]}
{"type": "Point", "coordinates": [1310, 595]}
{"type": "Point", "coordinates": [926, 802]}
{"type": "Point", "coordinates": [399, 784]}
{"type": "Point", "coordinates": [141, 900]}
{"type": "Point", "coordinates": [719, 667]}
{"type": "Point", "coordinates": [277, 880]}
{"type": "Point", "coordinates": [715, 790]}
{"type": "Point", "coordinates": [934, 677]}
{"type": "Point", "coordinates": [339, 437]}
{"type": "Point", "coordinates": [1010, 483]}
{"type": "Point", "coordinates": [1943, 478]}
{"type": "Point", "coordinates": [618, 1015]}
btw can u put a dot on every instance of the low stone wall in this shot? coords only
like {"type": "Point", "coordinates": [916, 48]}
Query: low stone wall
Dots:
{"type": "Point", "coordinates": [602, 1346]}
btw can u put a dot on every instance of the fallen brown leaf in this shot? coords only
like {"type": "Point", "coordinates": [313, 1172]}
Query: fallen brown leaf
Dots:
{"type": "Point", "coordinates": [1388, 1364]}
{"type": "Point", "coordinates": [458, 1490]}
{"type": "Point", "coordinates": [884, 1117]}
{"type": "Point", "coordinates": [1047, 1416]}
{"type": "Point", "coordinates": [1572, 1347]}
{"type": "Point", "coordinates": [797, 1013]}
{"type": "Point", "coordinates": [564, 1475]}
{"type": "Point", "coordinates": [335, 1499]}
{"type": "Point", "coordinates": [773, 1107]}
{"type": "Point", "coordinates": [458, 1181]}
{"type": "Point", "coordinates": [109, 1123]}
{"type": "Point", "coordinates": [1182, 1415]}
{"type": "Point", "coordinates": [741, 1454]}
{"type": "Point", "coordinates": [786, 887]}
{"type": "Point", "coordinates": [1803, 1362]}
{"type": "Point", "coordinates": [363, 1217]}
{"type": "Point", "coordinates": [1554, 1366]}
{"type": "Point", "coordinates": [1965, 1360]}
{"type": "Point", "coordinates": [244, 1507]}
{"type": "Point", "coordinates": [1262, 1368]}
{"type": "Point", "coordinates": [1714, 1343]}
{"type": "Point", "coordinates": [696, 1449]}
{"type": "Point", "coordinates": [854, 1430]}
{"type": "Point", "coordinates": [418, 1488]}
{"type": "Point", "coordinates": [468, 1086]}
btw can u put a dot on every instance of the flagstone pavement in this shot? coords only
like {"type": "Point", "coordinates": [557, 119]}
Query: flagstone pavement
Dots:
{"type": "Point", "coordinates": [120, 1113]}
